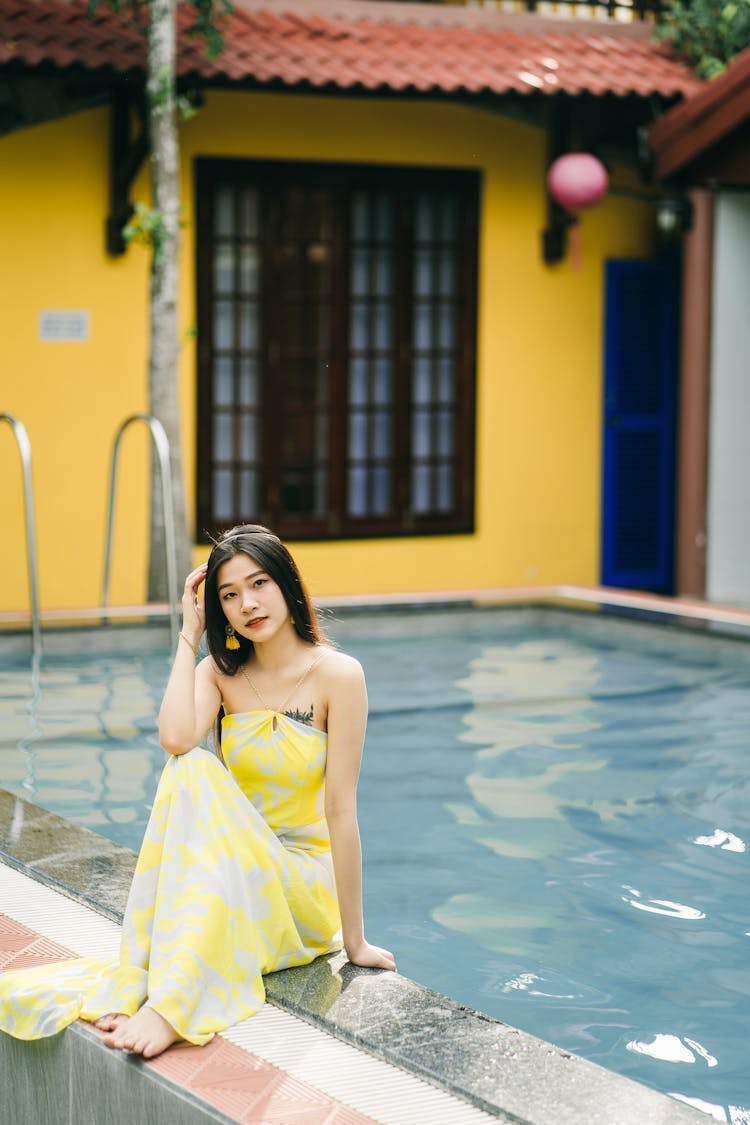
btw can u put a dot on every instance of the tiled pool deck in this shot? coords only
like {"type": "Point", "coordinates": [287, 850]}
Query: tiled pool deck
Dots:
{"type": "Point", "coordinates": [335, 1045]}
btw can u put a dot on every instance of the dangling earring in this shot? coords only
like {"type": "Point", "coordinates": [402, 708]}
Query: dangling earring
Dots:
{"type": "Point", "coordinates": [292, 621]}
{"type": "Point", "coordinates": [231, 642]}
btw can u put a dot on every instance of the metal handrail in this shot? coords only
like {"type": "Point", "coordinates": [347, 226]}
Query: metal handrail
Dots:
{"type": "Point", "coordinates": [161, 446]}
{"type": "Point", "coordinates": [24, 449]}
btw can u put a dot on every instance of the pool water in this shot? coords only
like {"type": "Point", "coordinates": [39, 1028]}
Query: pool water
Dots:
{"type": "Point", "coordinates": [554, 810]}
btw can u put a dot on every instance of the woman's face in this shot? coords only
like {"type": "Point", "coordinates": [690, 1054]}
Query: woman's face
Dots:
{"type": "Point", "coordinates": [252, 602]}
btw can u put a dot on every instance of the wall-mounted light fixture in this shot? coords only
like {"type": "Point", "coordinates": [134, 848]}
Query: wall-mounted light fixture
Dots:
{"type": "Point", "coordinates": [674, 216]}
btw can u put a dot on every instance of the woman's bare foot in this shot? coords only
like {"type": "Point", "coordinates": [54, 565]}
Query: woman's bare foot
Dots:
{"type": "Point", "coordinates": [111, 1021]}
{"type": "Point", "coordinates": [146, 1033]}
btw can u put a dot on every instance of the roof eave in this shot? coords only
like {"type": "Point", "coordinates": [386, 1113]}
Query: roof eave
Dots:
{"type": "Point", "coordinates": [686, 132]}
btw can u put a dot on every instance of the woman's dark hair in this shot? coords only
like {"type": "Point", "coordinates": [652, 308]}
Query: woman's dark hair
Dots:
{"type": "Point", "coordinates": [272, 556]}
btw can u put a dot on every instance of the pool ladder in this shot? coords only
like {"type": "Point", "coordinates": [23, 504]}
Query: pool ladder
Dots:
{"type": "Point", "coordinates": [24, 449]}
{"type": "Point", "coordinates": [160, 443]}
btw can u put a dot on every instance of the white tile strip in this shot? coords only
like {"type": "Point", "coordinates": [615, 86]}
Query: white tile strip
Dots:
{"type": "Point", "coordinates": [382, 1091]}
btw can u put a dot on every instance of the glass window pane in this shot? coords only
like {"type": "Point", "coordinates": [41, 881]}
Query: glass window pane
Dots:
{"type": "Point", "coordinates": [423, 219]}
{"type": "Point", "coordinates": [446, 380]}
{"type": "Point", "coordinates": [383, 218]}
{"type": "Point", "coordinates": [358, 437]}
{"type": "Point", "coordinates": [320, 492]}
{"type": "Point", "coordinates": [224, 210]}
{"type": "Point", "coordinates": [249, 268]}
{"type": "Point", "coordinates": [360, 276]}
{"type": "Point", "coordinates": [422, 379]}
{"type": "Point", "coordinates": [358, 382]}
{"type": "Point", "coordinates": [249, 481]}
{"type": "Point", "coordinates": [357, 491]}
{"type": "Point", "coordinates": [422, 327]}
{"type": "Point", "coordinates": [381, 492]}
{"type": "Point", "coordinates": [421, 438]}
{"type": "Point", "coordinates": [223, 381]}
{"type": "Point", "coordinates": [321, 435]}
{"type": "Point", "coordinates": [224, 325]}
{"type": "Point", "coordinates": [248, 426]}
{"type": "Point", "coordinates": [360, 325]}
{"type": "Point", "coordinates": [223, 506]}
{"type": "Point", "coordinates": [448, 216]}
{"type": "Point", "coordinates": [248, 314]}
{"type": "Point", "coordinates": [447, 282]}
{"type": "Point", "coordinates": [321, 385]}
{"type": "Point", "coordinates": [383, 325]}
{"type": "Point", "coordinates": [420, 484]}
{"type": "Point", "coordinates": [445, 488]}
{"type": "Point", "coordinates": [224, 267]}
{"type": "Point", "coordinates": [248, 213]}
{"type": "Point", "coordinates": [445, 433]}
{"type": "Point", "coordinates": [223, 437]}
{"type": "Point", "coordinates": [382, 427]}
{"type": "Point", "coordinates": [383, 381]}
{"type": "Point", "coordinates": [248, 369]}
{"type": "Point", "coordinates": [383, 273]}
{"type": "Point", "coordinates": [424, 265]}
{"type": "Point", "coordinates": [447, 326]}
{"type": "Point", "coordinates": [360, 217]}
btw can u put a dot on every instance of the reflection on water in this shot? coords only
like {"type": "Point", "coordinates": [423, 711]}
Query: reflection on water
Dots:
{"type": "Point", "coordinates": [78, 738]}
{"type": "Point", "coordinates": [598, 907]}
{"type": "Point", "coordinates": [554, 826]}
{"type": "Point", "coordinates": [672, 1049]}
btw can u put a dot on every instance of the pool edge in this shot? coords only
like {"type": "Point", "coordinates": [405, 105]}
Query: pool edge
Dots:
{"type": "Point", "coordinates": [490, 1064]}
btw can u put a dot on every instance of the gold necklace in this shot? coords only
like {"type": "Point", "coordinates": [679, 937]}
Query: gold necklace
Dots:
{"type": "Point", "coordinates": [303, 677]}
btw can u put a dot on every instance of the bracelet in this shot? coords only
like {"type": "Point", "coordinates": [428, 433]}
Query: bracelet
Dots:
{"type": "Point", "coordinates": [187, 642]}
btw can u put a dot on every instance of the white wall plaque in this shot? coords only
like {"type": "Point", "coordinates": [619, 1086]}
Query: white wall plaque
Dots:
{"type": "Point", "coordinates": [64, 325]}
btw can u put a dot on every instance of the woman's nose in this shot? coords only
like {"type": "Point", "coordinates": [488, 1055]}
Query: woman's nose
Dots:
{"type": "Point", "coordinates": [249, 600]}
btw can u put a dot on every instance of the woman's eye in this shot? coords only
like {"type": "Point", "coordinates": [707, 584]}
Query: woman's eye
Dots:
{"type": "Point", "coordinates": [227, 596]}
{"type": "Point", "coordinates": [260, 581]}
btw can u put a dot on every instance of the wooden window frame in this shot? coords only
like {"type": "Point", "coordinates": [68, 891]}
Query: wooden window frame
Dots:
{"type": "Point", "coordinates": [342, 180]}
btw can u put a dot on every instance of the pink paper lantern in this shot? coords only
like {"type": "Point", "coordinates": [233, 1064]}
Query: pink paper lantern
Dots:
{"type": "Point", "coordinates": [577, 180]}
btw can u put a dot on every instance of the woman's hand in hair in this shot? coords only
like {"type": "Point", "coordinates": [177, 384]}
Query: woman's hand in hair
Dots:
{"type": "Point", "coordinates": [372, 957]}
{"type": "Point", "coordinates": [193, 611]}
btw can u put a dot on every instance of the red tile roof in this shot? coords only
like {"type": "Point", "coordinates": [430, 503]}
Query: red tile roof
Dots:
{"type": "Point", "coordinates": [355, 45]}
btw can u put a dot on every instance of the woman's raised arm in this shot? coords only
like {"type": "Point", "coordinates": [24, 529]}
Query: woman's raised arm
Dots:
{"type": "Point", "coordinates": [192, 698]}
{"type": "Point", "coordinates": [347, 719]}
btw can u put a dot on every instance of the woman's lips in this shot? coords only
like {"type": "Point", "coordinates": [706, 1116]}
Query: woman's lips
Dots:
{"type": "Point", "coordinates": [256, 622]}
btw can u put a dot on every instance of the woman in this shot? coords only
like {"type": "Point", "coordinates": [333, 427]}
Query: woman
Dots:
{"type": "Point", "coordinates": [246, 867]}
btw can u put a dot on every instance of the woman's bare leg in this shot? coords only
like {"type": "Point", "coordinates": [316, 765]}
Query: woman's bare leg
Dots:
{"type": "Point", "coordinates": [146, 1033]}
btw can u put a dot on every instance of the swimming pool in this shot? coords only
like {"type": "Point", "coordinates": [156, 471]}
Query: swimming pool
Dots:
{"type": "Point", "coordinates": [554, 810]}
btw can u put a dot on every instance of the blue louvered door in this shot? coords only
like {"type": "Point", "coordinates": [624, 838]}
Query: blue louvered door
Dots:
{"type": "Point", "coordinates": [640, 405]}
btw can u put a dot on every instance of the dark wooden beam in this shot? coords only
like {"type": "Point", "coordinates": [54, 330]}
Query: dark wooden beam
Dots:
{"type": "Point", "coordinates": [555, 234]}
{"type": "Point", "coordinates": [126, 156]}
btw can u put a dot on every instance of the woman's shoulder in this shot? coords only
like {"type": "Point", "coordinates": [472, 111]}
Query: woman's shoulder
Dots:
{"type": "Point", "coordinates": [338, 667]}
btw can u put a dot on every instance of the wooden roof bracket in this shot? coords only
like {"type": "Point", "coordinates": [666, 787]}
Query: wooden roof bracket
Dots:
{"type": "Point", "coordinates": [126, 156]}
{"type": "Point", "coordinates": [555, 234]}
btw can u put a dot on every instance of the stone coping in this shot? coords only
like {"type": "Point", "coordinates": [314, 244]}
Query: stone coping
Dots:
{"type": "Point", "coordinates": [494, 1066]}
{"type": "Point", "coordinates": [656, 606]}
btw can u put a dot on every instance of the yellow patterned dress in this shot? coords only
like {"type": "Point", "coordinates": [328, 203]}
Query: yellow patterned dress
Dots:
{"type": "Point", "coordinates": [234, 879]}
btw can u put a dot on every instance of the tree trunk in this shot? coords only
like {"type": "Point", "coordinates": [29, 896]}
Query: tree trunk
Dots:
{"type": "Point", "coordinates": [164, 396]}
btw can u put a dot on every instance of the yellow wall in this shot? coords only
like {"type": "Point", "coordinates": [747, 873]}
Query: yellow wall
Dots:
{"type": "Point", "coordinates": [539, 348]}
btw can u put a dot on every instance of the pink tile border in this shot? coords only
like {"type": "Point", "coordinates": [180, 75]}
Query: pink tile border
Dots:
{"type": "Point", "coordinates": [246, 1088]}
